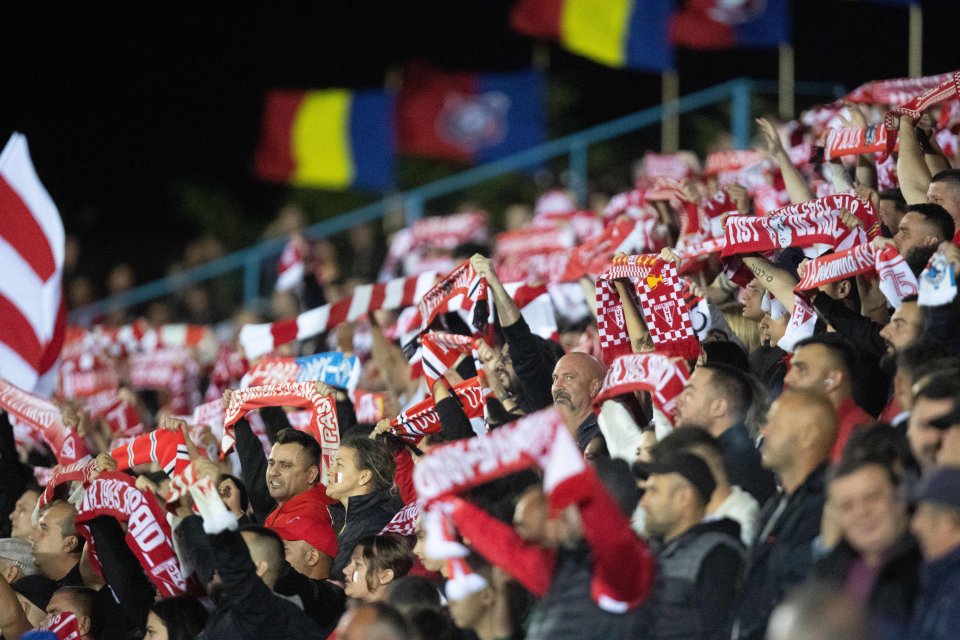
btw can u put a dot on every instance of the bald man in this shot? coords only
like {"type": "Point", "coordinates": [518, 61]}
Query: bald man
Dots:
{"type": "Point", "coordinates": [798, 436]}
{"type": "Point", "coordinates": [577, 379]}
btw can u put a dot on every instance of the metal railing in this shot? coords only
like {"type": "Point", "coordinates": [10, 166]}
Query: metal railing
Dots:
{"type": "Point", "coordinates": [413, 201]}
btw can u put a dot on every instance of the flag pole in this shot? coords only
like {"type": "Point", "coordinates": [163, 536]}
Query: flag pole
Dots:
{"type": "Point", "coordinates": [915, 52]}
{"type": "Point", "coordinates": [669, 117]}
{"type": "Point", "coordinates": [785, 80]}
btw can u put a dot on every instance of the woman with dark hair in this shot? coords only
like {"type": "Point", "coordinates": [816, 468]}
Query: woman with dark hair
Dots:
{"type": "Point", "coordinates": [177, 618]}
{"type": "Point", "coordinates": [234, 495]}
{"type": "Point", "coordinates": [376, 562]}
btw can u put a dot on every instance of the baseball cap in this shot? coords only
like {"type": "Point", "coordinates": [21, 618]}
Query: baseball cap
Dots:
{"type": "Point", "coordinates": [948, 419]}
{"type": "Point", "coordinates": [19, 553]}
{"type": "Point", "coordinates": [941, 486]}
{"type": "Point", "coordinates": [316, 533]}
{"type": "Point", "coordinates": [693, 469]}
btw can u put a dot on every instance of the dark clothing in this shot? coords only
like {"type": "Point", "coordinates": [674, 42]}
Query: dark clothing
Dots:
{"type": "Point", "coordinates": [127, 598]}
{"type": "Point", "coordinates": [698, 575]}
{"type": "Point", "coordinates": [534, 369]}
{"type": "Point", "coordinates": [322, 600]}
{"type": "Point", "coordinates": [72, 579]}
{"type": "Point", "coordinates": [248, 608]}
{"type": "Point", "coordinates": [741, 459]}
{"type": "Point", "coordinates": [863, 332]}
{"type": "Point", "coordinates": [891, 596]}
{"type": "Point", "coordinates": [936, 612]}
{"type": "Point", "coordinates": [454, 423]}
{"type": "Point", "coordinates": [365, 515]}
{"type": "Point", "coordinates": [769, 365]}
{"type": "Point", "coordinates": [195, 545]}
{"type": "Point", "coordinates": [567, 610]}
{"type": "Point", "coordinates": [16, 475]}
{"type": "Point", "coordinates": [253, 470]}
{"type": "Point", "coordinates": [587, 431]}
{"type": "Point", "coordinates": [781, 555]}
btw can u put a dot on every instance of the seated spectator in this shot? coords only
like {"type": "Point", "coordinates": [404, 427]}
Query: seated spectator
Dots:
{"type": "Point", "coordinates": [936, 523]}
{"type": "Point", "coordinates": [376, 561]}
{"type": "Point", "coordinates": [877, 560]}
{"type": "Point", "coordinates": [694, 590]}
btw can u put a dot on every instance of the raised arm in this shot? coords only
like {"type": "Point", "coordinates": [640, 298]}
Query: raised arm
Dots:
{"type": "Point", "coordinates": [774, 279]}
{"type": "Point", "coordinates": [797, 187]}
{"type": "Point", "coordinates": [912, 170]}
{"type": "Point", "coordinates": [507, 310]}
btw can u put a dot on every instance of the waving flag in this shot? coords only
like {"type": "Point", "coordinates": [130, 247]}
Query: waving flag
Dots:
{"type": "Point", "coordinates": [31, 255]}
{"type": "Point", "coordinates": [615, 33]}
{"type": "Point", "coordinates": [468, 116]}
{"type": "Point", "coordinates": [332, 139]}
{"type": "Point", "coordinates": [727, 24]}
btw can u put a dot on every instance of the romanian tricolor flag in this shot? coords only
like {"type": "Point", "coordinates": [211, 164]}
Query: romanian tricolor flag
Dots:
{"type": "Point", "coordinates": [616, 33]}
{"type": "Point", "coordinates": [331, 139]}
{"type": "Point", "coordinates": [727, 24]}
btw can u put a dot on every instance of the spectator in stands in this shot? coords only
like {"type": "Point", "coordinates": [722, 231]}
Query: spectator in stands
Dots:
{"type": "Point", "coordinates": [373, 621]}
{"type": "Point", "coordinates": [361, 481]}
{"type": "Point", "coordinates": [816, 611]}
{"type": "Point", "coordinates": [377, 560]}
{"type": "Point", "coordinates": [178, 618]}
{"type": "Point", "coordinates": [695, 585]}
{"type": "Point", "coordinates": [16, 559]}
{"type": "Point", "coordinates": [891, 210]}
{"type": "Point", "coordinates": [877, 560]}
{"type": "Point", "coordinates": [577, 379]}
{"type": "Point", "coordinates": [21, 519]}
{"type": "Point", "coordinates": [56, 544]}
{"type": "Point", "coordinates": [81, 602]}
{"type": "Point", "coordinates": [922, 229]}
{"type": "Point", "coordinates": [234, 495]}
{"type": "Point", "coordinates": [309, 546]}
{"type": "Point", "coordinates": [825, 364]}
{"type": "Point", "coordinates": [727, 501]}
{"type": "Point", "coordinates": [719, 398]}
{"type": "Point", "coordinates": [798, 436]}
{"type": "Point", "coordinates": [936, 523]}
{"type": "Point", "coordinates": [932, 399]}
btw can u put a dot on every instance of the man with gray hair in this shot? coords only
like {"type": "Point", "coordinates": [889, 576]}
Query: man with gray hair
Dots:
{"type": "Point", "coordinates": [16, 559]}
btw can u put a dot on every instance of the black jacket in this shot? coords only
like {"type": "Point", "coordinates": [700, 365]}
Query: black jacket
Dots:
{"type": "Point", "coordinates": [698, 576]}
{"type": "Point", "coordinates": [769, 366]}
{"type": "Point", "coordinates": [365, 515]}
{"type": "Point", "coordinates": [741, 459]}
{"type": "Point", "coordinates": [248, 609]}
{"type": "Point", "coordinates": [894, 589]}
{"type": "Point", "coordinates": [322, 600]}
{"type": "Point", "coordinates": [783, 558]}
{"type": "Point", "coordinates": [533, 368]}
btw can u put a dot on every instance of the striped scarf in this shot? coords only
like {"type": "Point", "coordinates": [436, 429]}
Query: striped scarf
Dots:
{"type": "Point", "coordinates": [422, 418]}
{"type": "Point", "coordinates": [166, 448]}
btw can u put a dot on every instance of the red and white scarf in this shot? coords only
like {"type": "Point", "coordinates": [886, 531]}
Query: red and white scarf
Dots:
{"type": "Point", "coordinates": [139, 337]}
{"type": "Point", "coordinates": [896, 90]}
{"type": "Point", "coordinates": [148, 534]}
{"type": "Point", "coordinates": [324, 426]}
{"type": "Point", "coordinates": [815, 222]}
{"type": "Point", "coordinates": [270, 370]}
{"type": "Point", "coordinates": [123, 419]}
{"type": "Point", "coordinates": [663, 377]}
{"type": "Point", "coordinates": [460, 290]}
{"type": "Point", "coordinates": [63, 625]}
{"type": "Point", "coordinates": [422, 418]}
{"type": "Point", "coordinates": [166, 448]}
{"type": "Point", "coordinates": [446, 232]}
{"type": "Point", "coordinates": [660, 300]}
{"type": "Point", "coordinates": [44, 418]}
{"type": "Point", "coordinates": [896, 279]}
{"type": "Point", "coordinates": [292, 264]}
{"type": "Point", "coordinates": [260, 339]}
{"type": "Point", "coordinates": [172, 369]}
{"type": "Point", "coordinates": [725, 162]}
{"type": "Point", "coordinates": [441, 351]}
{"type": "Point", "coordinates": [532, 254]}
{"type": "Point", "coordinates": [405, 522]}
{"type": "Point", "coordinates": [84, 377]}
{"type": "Point", "coordinates": [677, 166]}
{"type": "Point", "coordinates": [850, 141]}
{"type": "Point", "coordinates": [77, 471]}
{"type": "Point", "coordinates": [948, 88]}
{"type": "Point", "coordinates": [802, 323]}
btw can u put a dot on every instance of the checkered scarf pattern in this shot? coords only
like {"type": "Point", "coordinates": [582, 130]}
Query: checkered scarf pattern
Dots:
{"type": "Point", "coordinates": [660, 297]}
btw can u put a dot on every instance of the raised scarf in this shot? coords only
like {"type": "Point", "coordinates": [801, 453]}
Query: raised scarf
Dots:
{"type": "Point", "coordinates": [405, 522]}
{"type": "Point", "coordinates": [938, 283]}
{"type": "Point", "coordinates": [803, 320]}
{"type": "Point", "coordinates": [324, 426]}
{"type": "Point", "coordinates": [44, 418]}
{"type": "Point", "coordinates": [147, 532]}
{"type": "Point", "coordinates": [260, 339]}
{"type": "Point", "coordinates": [77, 471]}
{"type": "Point", "coordinates": [166, 448]}
{"type": "Point", "coordinates": [441, 351]}
{"type": "Point", "coordinates": [896, 279]}
{"type": "Point", "coordinates": [660, 300]}
{"type": "Point", "coordinates": [333, 368]}
{"type": "Point", "coordinates": [171, 368]}
{"type": "Point", "coordinates": [850, 141]}
{"type": "Point", "coordinates": [446, 232]}
{"type": "Point", "coordinates": [460, 290]}
{"type": "Point", "coordinates": [947, 89]}
{"type": "Point", "coordinates": [422, 418]}
{"type": "Point", "coordinates": [80, 379]}
{"type": "Point", "coordinates": [655, 373]}
{"type": "Point", "coordinates": [369, 406]}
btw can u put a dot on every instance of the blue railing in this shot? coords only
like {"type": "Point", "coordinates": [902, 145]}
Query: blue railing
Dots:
{"type": "Point", "coordinates": [574, 146]}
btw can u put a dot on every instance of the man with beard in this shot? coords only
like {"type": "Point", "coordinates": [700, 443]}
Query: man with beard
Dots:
{"type": "Point", "coordinates": [577, 379]}
{"type": "Point", "coordinates": [922, 229]}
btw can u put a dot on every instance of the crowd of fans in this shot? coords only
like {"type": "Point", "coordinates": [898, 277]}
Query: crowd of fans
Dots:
{"type": "Point", "coordinates": [792, 477]}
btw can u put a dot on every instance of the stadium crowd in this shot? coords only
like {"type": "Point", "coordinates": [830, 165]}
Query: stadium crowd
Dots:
{"type": "Point", "coordinates": [723, 404]}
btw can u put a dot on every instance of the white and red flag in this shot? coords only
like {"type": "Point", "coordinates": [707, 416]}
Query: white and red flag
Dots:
{"type": "Point", "coordinates": [31, 289]}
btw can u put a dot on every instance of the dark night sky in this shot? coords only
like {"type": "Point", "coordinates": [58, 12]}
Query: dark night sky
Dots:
{"type": "Point", "coordinates": [118, 102]}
